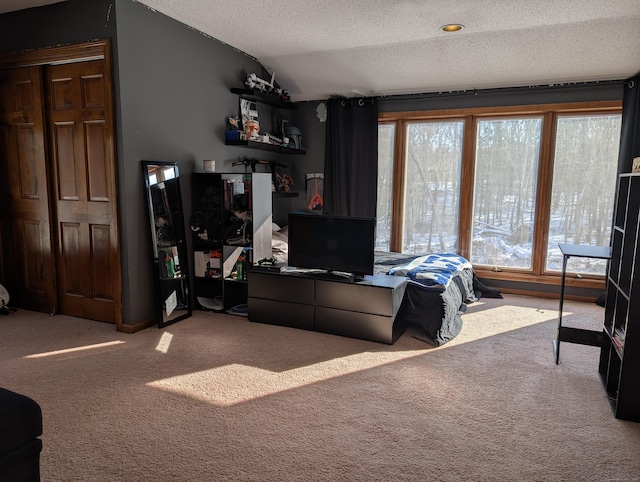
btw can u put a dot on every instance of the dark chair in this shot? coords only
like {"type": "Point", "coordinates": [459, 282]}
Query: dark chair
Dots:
{"type": "Point", "coordinates": [20, 447]}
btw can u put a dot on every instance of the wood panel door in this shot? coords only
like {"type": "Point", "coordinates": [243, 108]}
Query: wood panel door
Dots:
{"type": "Point", "coordinates": [27, 264]}
{"type": "Point", "coordinates": [80, 119]}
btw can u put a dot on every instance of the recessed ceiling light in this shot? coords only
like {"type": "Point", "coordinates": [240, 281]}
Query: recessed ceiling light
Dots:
{"type": "Point", "coordinates": [452, 27]}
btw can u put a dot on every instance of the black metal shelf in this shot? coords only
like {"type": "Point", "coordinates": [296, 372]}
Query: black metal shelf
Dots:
{"type": "Point", "coordinates": [256, 96]}
{"type": "Point", "coordinates": [263, 146]}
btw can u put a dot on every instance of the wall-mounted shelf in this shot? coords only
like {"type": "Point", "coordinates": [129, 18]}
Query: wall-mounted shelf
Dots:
{"type": "Point", "coordinates": [256, 96]}
{"type": "Point", "coordinates": [263, 146]}
{"type": "Point", "coordinates": [286, 194]}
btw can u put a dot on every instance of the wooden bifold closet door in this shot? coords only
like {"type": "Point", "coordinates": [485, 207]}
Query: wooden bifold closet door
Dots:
{"type": "Point", "coordinates": [59, 240]}
{"type": "Point", "coordinates": [83, 175]}
{"type": "Point", "coordinates": [26, 267]}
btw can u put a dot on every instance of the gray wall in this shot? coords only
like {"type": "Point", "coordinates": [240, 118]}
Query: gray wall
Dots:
{"type": "Point", "coordinates": [173, 97]}
{"type": "Point", "coordinates": [313, 138]}
{"type": "Point", "coordinates": [69, 22]}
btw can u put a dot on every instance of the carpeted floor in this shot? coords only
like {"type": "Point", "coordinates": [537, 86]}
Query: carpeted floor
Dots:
{"type": "Point", "coordinates": [217, 397]}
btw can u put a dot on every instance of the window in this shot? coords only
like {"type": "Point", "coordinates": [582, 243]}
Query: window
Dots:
{"type": "Point", "coordinates": [386, 138]}
{"type": "Point", "coordinates": [501, 186]}
{"type": "Point", "coordinates": [584, 176]}
{"type": "Point", "coordinates": [507, 153]}
{"type": "Point", "coordinates": [432, 185]}
{"type": "Point", "coordinates": [168, 174]}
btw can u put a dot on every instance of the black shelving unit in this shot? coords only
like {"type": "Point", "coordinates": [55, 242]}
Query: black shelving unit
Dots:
{"type": "Point", "coordinates": [224, 245]}
{"type": "Point", "coordinates": [620, 353]}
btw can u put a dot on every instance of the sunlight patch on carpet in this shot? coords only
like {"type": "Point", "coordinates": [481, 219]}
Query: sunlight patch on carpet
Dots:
{"type": "Point", "coordinates": [501, 319]}
{"type": "Point", "coordinates": [237, 383]}
{"type": "Point", "coordinates": [75, 350]}
{"type": "Point", "coordinates": [164, 343]}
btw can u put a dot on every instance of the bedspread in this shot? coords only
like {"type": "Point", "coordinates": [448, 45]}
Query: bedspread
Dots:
{"type": "Point", "coordinates": [438, 289]}
{"type": "Point", "coordinates": [434, 271]}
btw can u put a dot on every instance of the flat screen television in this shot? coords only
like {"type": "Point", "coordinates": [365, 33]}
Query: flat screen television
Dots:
{"type": "Point", "coordinates": [333, 243]}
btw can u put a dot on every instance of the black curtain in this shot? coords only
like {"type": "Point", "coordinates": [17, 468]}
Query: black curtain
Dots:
{"type": "Point", "coordinates": [351, 157]}
{"type": "Point", "coordinates": [630, 129]}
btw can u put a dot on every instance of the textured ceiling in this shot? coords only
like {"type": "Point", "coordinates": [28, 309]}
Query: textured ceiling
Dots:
{"type": "Point", "coordinates": [319, 48]}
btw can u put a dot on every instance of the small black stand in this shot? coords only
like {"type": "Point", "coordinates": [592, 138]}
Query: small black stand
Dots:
{"type": "Point", "coordinates": [577, 335]}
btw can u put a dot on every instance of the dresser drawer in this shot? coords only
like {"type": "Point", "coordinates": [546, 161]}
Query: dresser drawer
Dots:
{"type": "Point", "coordinates": [362, 297]}
{"type": "Point", "coordinates": [281, 313]}
{"type": "Point", "coordinates": [357, 325]}
{"type": "Point", "coordinates": [279, 287]}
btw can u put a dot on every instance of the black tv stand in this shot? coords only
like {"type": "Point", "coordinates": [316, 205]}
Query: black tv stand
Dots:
{"type": "Point", "coordinates": [364, 309]}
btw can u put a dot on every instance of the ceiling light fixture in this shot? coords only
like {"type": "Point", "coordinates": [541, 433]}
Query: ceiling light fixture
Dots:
{"type": "Point", "coordinates": [452, 27]}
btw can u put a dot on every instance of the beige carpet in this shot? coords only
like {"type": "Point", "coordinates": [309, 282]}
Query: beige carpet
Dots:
{"type": "Point", "coordinates": [216, 397]}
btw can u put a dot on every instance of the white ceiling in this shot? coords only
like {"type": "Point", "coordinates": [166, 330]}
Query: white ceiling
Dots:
{"type": "Point", "coordinates": [319, 48]}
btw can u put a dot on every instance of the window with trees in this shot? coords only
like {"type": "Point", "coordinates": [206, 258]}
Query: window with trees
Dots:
{"type": "Point", "coordinates": [582, 196]}
{"type": "Point", "coordinates": [506, 159]}
{"type": "Point", "coordinates": [500, 186]}
{"type": "Point", "coordinates": [386, 135]}
{"type": "Point", "coordinates": [433, 162]}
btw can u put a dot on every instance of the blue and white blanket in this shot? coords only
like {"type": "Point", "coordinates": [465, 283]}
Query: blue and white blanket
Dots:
{"type": "Point", "coordinates": [434, 271]}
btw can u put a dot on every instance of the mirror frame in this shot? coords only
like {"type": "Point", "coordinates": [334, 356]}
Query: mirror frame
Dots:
{"type": "Point", "coordinates": [180, 245]}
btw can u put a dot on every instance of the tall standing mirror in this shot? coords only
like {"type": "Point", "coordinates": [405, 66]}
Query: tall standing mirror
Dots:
{"type": "Point", "coordinates": [162, 183]}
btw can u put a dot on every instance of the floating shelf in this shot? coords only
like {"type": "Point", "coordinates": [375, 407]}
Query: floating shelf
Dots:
{"type": "Point", "coordinates": [256, 96]}
{"type": "Point", "coordinates": [286, 194]}
{"type": "Point", "coordinates": [263, 146]}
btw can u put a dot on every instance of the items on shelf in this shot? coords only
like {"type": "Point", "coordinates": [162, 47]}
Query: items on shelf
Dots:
{"type": "Point", "coordinates": [295, 137]}
{"type": "Point", "coordinates": [245, 131]}
{"type": "Point", "coordinates": [254, 162]}
{"type": "Point", "coordinates": [207, 263]}
{"type": "Point", "coordinates": [285, 181]}
{"type": "Point", "coordinates": [270, 88]}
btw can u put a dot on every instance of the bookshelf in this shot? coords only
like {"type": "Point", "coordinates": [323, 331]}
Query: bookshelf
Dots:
{"type": "Point", "coordinates": [620, 352]}
{"type": "Point", "coordinates": [230, 227]}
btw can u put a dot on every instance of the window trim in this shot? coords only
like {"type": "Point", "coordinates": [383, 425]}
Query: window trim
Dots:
{"type": "Point", "coordinates": [549, 114]}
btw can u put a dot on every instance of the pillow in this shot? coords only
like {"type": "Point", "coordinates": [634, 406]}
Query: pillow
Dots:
{"type": "Point", "coordinates": [275, 227]}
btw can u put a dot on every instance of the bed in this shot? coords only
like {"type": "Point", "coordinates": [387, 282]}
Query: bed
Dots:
{"type": "Point", "coordinates": [439, 286]}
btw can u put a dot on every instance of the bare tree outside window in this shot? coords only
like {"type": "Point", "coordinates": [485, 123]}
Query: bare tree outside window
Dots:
{"type": "Point", "coordinates": [386, 138]}
{"type": "Point", "coordinates": [526, 179]}
{"type": "Point", "coordinates": [583, 191]}
{"type": "Point", "coordinates": [507, 157]}
{"type": "Point", "coordinates": [432, 186]}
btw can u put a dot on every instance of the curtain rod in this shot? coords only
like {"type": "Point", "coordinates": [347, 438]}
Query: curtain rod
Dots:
{"type": "Point", "coordinates": [502, 90]}
{"type": "Point", "coordinates": [360, 101]}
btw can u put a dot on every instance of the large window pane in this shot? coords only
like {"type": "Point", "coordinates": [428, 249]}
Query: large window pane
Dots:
{"type": "Point", "coordinates": [432, 187]}
{"type": "Point", "coordinates": [386, 138]}
{"type": "Point", "coordinates": [507, 155]}
{"type": "Point", "coordinates": [584, 180]}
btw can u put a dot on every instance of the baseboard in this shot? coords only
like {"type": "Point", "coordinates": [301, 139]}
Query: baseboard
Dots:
{"type": "Point", "coordinates": [130, 329]}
